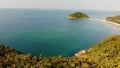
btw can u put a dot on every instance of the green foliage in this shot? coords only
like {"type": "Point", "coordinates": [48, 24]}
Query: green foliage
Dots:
{"type": "Point", "coordinates": [77, 15]}
{"type": "Point", "coordinates": [105, 54]}
{"type": "Point", "coordinates": [115, 19]}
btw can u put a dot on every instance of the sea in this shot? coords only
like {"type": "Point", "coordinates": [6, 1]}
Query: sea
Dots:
{"type": "Point", "coordinates": [49, 32]}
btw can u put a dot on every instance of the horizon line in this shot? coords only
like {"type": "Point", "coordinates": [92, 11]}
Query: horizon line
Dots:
{"type": "Point", "coordinates": [63, 9]}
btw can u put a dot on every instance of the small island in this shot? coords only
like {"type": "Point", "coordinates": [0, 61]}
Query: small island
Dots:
{"type": "Point", "coordinates": [77, 15]}
{"type": "Point", "coordinates": [115, 19]}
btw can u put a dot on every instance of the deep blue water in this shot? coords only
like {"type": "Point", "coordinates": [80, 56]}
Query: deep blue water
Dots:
{"type": "Point", "coordinates": [50, 33]}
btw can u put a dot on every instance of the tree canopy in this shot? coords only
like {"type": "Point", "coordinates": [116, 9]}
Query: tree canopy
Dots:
{"type": "Point", "coordinates": [77, 15]}
{"type": "Point", "coordinates": [105, 54]}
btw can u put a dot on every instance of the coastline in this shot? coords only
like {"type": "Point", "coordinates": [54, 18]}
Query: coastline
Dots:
{"type": "Point", "coordinates": [114, 23]}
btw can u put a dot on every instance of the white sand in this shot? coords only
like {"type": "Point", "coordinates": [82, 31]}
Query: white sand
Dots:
{"type": "Point", "coordinates": [105, 21]}
{"type": "Point", "coordinates": [112, 23]}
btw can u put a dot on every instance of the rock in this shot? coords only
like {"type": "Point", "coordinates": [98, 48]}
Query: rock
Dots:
{"type": "Point", "coordinates": [80, 53]}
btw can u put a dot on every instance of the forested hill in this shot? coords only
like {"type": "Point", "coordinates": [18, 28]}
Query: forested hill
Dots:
{"type": "Point", "coordinates": [77, 15]}
{"type": "Point", "coordinates": [105, 54]}
{"type": "Point", "coordinates": [115, 19]}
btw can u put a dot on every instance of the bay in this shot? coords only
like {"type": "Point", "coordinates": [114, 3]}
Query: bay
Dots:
{"type": "Point", "coordinates": [49, 32]}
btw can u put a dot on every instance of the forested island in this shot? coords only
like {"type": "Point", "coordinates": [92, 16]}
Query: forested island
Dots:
{"type": "Point", "coordinates": [115, 19]}
{"type": "Point", "coordinates": [77, 15]}
{"type": "Point", "coordinates": [105, 54]}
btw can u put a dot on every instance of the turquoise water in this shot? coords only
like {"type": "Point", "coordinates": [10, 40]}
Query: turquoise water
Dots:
{"type": "Point", "coordinates": [50, 33]}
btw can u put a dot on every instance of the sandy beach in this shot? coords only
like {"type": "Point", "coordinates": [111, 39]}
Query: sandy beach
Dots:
{"type": "Point", "coordinates": [112, 23]}
{"type": "Point", "coordinates": [105, 21]}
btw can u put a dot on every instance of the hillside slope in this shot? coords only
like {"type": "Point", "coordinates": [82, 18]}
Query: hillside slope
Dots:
{"type": "Point", "coordinates": [115, 19]}
{"type": "Point", "coordinates": [105, 54]}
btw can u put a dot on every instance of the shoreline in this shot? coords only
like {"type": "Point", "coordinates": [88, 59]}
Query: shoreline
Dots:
{"type": "Point", "coordinates": [114, 23]}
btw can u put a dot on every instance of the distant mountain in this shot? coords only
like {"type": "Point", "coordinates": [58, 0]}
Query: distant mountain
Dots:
{"type": "Point", "coordinates": [77, 15]}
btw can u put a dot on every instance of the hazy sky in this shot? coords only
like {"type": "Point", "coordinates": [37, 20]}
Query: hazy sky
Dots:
{"type": "Point", "coordinates": [62, 4]}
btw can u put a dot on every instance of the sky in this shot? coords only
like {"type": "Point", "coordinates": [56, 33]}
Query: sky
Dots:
{"type": "Point", "coordinates": [62, 4]}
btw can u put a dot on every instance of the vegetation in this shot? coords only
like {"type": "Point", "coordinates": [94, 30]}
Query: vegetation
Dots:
{"type": "Point", "coordinates": [115, 19]}
{"type": "Point", "coordinates": [105, 54]}
{"type": "Point", "coordinates": [77, 15]}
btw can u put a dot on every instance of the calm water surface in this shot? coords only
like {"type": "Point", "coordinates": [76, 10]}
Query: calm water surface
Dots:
{"type": "Point", "coordinates": [50, 33]}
